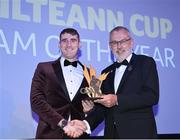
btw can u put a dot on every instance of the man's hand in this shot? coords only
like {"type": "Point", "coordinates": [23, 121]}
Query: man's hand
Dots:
{"type": "Point", "coordinates": [80, 124]}
{"type": "Point", "coordinates": [87, 105]}
{"type": "Point", "coordinates": [75, 128]}
{"type": "Point", "coordinates": [108, 100]}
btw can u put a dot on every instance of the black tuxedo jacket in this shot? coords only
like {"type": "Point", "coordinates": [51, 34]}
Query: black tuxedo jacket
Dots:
{"type": "Point", "coordinates": [50, 99]}
{"type": "Point", "coordinates": [137, 93]}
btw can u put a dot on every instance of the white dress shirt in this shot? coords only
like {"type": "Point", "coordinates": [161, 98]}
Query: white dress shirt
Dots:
{"type": "Point", "coordinates": [119, 74]}
{"type": "Point", "coordinates": [73, 77]}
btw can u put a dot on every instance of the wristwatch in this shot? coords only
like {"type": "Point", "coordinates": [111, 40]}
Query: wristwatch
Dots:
{"type": "Point", "coordinates": [63, 123]}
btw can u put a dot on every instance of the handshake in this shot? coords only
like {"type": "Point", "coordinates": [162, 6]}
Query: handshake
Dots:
{"type": "Point", "coordinates": [75, 128]}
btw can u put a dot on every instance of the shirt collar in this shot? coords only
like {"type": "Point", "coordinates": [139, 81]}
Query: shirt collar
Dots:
{"type": "Point", "coordinates": [129, 58]}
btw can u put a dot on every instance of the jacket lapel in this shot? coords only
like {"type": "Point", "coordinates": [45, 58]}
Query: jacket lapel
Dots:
{"type": "Point", "coordinates": [58, 71]}
{"type": "Point", "coordinates": [78, 93]}
{"type": "Point", "coordinates": [111, 79]}
{"type": "Point", "coordinates": [83, 84]}
{"type": "Point", "coordinates": [108, 83]}
{"type": "Point", "coordinates": [128, 70]}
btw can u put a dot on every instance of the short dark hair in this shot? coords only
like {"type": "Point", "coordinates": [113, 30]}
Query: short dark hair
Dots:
{"type": "Point", "coordinates": [69, 31]}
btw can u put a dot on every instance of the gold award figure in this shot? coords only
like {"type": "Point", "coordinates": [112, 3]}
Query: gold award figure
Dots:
{"type": "Point", "coordinates": [94, 90]}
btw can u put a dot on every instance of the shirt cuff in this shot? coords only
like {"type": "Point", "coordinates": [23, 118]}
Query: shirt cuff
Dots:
{"type": "Point", "coordinates": [88, 130]}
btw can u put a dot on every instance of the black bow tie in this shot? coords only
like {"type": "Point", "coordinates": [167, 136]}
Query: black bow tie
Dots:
{"type": "Point", "coordinates": [124, 62]}
{"type": "Point", "coordinates": [67, 63]}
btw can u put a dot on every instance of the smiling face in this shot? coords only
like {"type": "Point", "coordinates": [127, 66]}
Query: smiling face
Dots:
{"type": "Point", "coordinates": [69, 45]}
{"type": "Point", "coordinates": [120, 43]}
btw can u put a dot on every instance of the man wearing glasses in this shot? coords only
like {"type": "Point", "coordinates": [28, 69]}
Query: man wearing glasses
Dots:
{"type": "Point", "coordinates": [130, 91]}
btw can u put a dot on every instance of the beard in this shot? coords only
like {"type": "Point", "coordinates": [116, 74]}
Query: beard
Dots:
{"type": "Point", "coordinates": [121, 54]}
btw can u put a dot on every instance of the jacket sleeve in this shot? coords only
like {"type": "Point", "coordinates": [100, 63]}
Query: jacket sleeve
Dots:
{"type": "Point", "coordinates": [96, 116]}
{"type": "Point", "coordinates": [38, 100]}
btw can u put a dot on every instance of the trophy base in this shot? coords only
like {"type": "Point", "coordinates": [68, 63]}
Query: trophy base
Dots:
{"type": "Point", "coordinates": [93, 98]}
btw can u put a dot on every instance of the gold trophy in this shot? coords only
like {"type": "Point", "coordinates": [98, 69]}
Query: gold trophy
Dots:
{"type": "Point", "coordinates": [94, 90]}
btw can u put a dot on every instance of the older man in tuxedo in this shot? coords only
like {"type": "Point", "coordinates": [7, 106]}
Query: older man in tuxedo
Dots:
{"type": "Point", "coordinates": [131, 90]}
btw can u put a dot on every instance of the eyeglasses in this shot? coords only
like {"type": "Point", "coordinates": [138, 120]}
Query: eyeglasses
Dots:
{"type": "Point", "coordinates": [121, 42]}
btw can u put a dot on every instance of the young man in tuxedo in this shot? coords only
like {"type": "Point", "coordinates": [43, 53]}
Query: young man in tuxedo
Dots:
{"type": "Point", "coordinates": [130, 90]}
{"type": "Point", "coordinates": [55, 91]}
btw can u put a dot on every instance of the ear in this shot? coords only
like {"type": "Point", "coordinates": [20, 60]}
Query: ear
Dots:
{"type": "Point", "coordinates": [59, 45]}
{"type": "Point", "coordinates": [132, 42]}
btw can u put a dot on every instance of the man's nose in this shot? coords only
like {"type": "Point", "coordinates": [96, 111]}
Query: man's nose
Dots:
{"type": "Point", "coordinates": [69, 43]}
{"type": "Point", "coordinates": [119, 45]}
